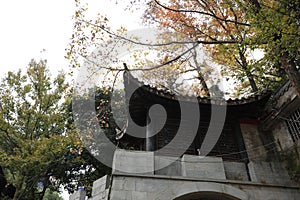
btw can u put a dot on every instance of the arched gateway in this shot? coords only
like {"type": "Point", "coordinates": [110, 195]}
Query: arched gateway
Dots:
{"type": "Point", "coordinates": [208, 191]}
{"type": "Point", "coordinates": [206, 196]}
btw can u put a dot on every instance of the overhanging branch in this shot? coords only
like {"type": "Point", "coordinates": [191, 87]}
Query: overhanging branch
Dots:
{"type": "Point", "coordinates": [201, 13]}
{"type": "Point", "coordinates": [161, 44]}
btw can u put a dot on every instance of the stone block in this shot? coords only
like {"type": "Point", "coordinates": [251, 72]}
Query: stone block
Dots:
{"type": "Point", "coordinates": [172, 168]}
{"type": "Point", "coordinates": [203, 167]}
{"type": "Point", "coordinates": [121, 195]}
{"type": "Point", "coordinates": [149, 185]}
{"type": "Point", "coordinates": [236, 171]}
{"type": "Point", "coordinates": [253, 143]}
{"type": "Point", "coordinates": [78, 195]}
{"type": "Point", "coordinates": [122, 183]}
{"type": "Point", "coordinates": [133, 162]}
{"type": "Point", "coordinates": [100, 185]}
{"type": "Point", "coordinates": [101, 196]}
{"type": "Point", "coordinates": [138, 195]}
{"type": "Point", "coordinates": [269, 172]}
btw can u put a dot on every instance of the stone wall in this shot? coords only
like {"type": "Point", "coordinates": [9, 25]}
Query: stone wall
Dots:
{"type": "Point", "coordinates": [137, 162]}
{"type": "Point", "coordinates": [253, 142]}
{"type": "Point", "coordinates": [137, 187]}
{"type": "Point", "coordinates": [269, 172]}
{"type": "Point", "coordinates": [101, 188]}
{"type": "Point", "coordinates": [203, 167]}
{"type": "Point", "coordinates": [236, 171]}
{"type": "Point", "coordinates": [282, 137]}
{"type": "Point", "coordinates": [192, 175]}
{"type": "Point", "coordinates": [193, 166]}
{"type": "Point", "coordinates": [78, 195]}
{"type": "Point", "coordinates": [286, 102]}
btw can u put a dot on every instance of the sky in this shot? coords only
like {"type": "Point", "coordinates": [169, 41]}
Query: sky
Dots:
{"type": "Point", "coordinates": [28, 27]}
{"type": "Point", "coordinates": [31, 26]}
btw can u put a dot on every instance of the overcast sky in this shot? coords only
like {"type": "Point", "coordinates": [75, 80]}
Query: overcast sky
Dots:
{"type": "Point", "coordinates": [28, 27]}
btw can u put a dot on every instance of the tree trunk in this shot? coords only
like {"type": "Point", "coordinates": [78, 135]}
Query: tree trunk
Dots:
{"type": "Point", "coordinates": [200, 75]}
{"type": "Point", "coordinates": [18, 192]}
{"type": "Point", "coordinates": [19, 185]}
{"type": "Point", "coordinates": [251, 81]}
{"type": "Point", "coordinates": [203, 83]}
{"type": "Point", "coordinates": [248, 73]}
{"type": "Point", "coordinates": [292, 72]}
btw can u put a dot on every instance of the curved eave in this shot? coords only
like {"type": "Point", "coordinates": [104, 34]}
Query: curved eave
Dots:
{"type": "Point", "coordinates": [259, 99]}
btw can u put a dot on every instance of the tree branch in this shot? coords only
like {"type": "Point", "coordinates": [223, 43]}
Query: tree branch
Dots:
{"type": "Point", "coordinates": [139, 69]}
{"type": "Point", "coordinates": [201, 13]}
{"type": "Point", "coordinates": [135, 41]}
{"type": "Point", "coordinates": [162, 44]}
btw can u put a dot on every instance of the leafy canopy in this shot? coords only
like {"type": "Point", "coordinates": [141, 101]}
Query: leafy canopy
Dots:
{"type": "Point", "coordinates": [35, 133]}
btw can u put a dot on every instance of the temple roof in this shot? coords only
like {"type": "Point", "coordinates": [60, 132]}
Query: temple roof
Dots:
{"type": "Point", "coordinates": [140, 97]}
{"type": "Point", "coordinates": [260, 98]}
{"type": "Point", "coordinates": [283, 103]}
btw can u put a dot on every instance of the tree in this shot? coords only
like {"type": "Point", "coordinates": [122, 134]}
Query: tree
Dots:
{"type": "Point", "coordinates": [50, 195]}
{"type": "Point", "coordinates": [223, 28]}
{"type": "Point", "coordinates": [269, 26]}
{"type": "Point", "coordinates": [180, 75]}
{"type": "Point", "coordinates": [276, 28]}
{"type": "Point", "coordinates": [33, 128]}
{"type": "Point", "coordinates": [39, 145]}
{"type": "Point", "coordinates": [229, 29]}
{"type": "Point", "coordinates": [218, 21]}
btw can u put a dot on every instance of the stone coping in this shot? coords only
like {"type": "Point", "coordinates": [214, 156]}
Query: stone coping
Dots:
{"type": "Point", "coordinates": [236, 182]}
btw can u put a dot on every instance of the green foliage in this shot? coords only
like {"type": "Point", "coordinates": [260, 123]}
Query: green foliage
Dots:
{"type": "Point", "coordinates": [276, 28]}
{"type": "Point", "coordinates": [51, 195]}
{"type": "Point", "coordinates": [38, 141]}
{"type": "Point", "coordinates": [34, 134]}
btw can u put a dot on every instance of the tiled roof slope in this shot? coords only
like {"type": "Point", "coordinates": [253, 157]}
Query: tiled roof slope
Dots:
{"type": "Point", "coordinates": [130, 79]}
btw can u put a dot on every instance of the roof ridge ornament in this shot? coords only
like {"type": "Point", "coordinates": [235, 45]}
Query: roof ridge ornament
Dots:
{"type": "Point", "coordinates": [125, 67]}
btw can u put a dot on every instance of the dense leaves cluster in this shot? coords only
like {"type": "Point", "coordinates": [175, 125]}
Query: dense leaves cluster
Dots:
{"type": "Point", "coordinates": [34, 133]}
{"type": "Point", "coordinates": [276, 26]}
{"type": "Point", "coordinates": [39, 145]}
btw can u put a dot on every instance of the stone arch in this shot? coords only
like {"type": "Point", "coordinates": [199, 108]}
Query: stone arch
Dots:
{"type": "Point", "coordinates": [206, 196]}
{"type": "Point", "coordinates": [208, 191]}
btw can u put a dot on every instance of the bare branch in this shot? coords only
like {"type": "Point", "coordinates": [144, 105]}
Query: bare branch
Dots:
{"type": "Point", "coordinates": [114, 82]}
{"type": "Point", "coordinates": [138, 69]}
{"type": "Point", "coordinates": [162, 44]}
{"type": "Point", "coordinates": [170, 61]}
{"type": "Point", "coordinates": [135, 41]}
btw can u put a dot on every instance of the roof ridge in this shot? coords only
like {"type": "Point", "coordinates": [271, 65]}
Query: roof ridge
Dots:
{"type": "Point", "coordinates": [202, 99]}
